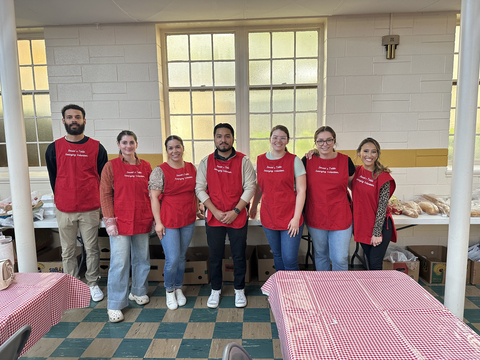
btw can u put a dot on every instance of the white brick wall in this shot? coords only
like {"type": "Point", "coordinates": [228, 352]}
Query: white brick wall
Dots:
{"type": "Point", "coordinates": [404, 103]}
{"type": "Point", "coordinates": [112, 72]}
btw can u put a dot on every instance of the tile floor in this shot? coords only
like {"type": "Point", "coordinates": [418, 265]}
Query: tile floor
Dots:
{"type": "Point", "coordinates": [190, 332]}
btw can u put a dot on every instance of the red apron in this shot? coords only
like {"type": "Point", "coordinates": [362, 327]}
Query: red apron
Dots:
{"type": "Point", "coordinates": [131, 201]}
{"type": "Point", "coordinates": [327, 206]}
{"type": "Point", "coordinates": [178, 206]}
{"type": "Point", "coordinates": [225, 188]}
{"type": "Point", "coordinates": [77, 187]}
{"type": "Point", "coordinates": [276, 178]}
{"type": "Point", "coordinates": [366, 192]}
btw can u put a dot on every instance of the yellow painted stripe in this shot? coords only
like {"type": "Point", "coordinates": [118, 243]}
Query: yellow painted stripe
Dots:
{"type": "Point", "coordinates": [153, 159]}
{"type": "Point", "coordinates": [407, 157]}
{"type": "Point", "coordinates": [390, 158]}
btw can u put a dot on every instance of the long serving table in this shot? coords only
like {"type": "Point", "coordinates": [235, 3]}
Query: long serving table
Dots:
{"type": "Point", "coordinates": [364, 315]}
{"type": "Point", "coordinates": [39, 300]}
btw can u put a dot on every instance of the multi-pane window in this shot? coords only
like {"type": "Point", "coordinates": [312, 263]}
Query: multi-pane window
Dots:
{"type": "Point", "coordinates": [36, 103]}
{"type": "Point", "coordinates": [201, 88]}
{"type": "Point", "coordinates": [280, 77]}
{"type": "Point", "coordinates": [283, 78]}
{"type": "Point", "coordinates": [454, 105]}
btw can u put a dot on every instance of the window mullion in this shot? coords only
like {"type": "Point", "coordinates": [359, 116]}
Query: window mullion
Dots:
{"type": "Point", "coordinates": [241, 75]}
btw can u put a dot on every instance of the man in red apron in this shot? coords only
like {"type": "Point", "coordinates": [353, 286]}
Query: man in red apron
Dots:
{"type": "Point", "coordinates": [74, 164]}
{"type": "Point", "coordinates": [225, 185]}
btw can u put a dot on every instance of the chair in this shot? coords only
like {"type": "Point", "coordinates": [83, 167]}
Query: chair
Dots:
{"type": "Point", "coordinates": [11, 349]}
{"type": "Point", "coordinates": [234, 351]}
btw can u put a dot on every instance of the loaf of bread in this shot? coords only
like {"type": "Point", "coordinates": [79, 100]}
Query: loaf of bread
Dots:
{"type": "Point", "coordinates": [429, 207]}
{"type": "Point", "coordinates": [410, 208]}
{"type": "Point", "coordinates": [443, 207]}
{"type": "Point", "coordinates": [414, 206]}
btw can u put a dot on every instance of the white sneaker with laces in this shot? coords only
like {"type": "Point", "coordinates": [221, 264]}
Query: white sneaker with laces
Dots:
{"type": "Point", "coordinates": [96, 292]}
{"type": "Point", "coordinates": [181, 299]}
{"type": "Point", "coordinates": [214, 299]}
{"type": "Point", "coordinates": [240, 298]}
{"type": "Point", "coordinates": [171, 300]}
{"type": "Point", "coordinates": [140, 300]}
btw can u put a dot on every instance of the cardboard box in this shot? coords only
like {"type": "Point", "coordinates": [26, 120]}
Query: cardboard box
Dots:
{"type": "Point", "coordinates": [433, 264]}
{"type": "Point", "coordinates": [410, 268]}
{"type": "Point", "coordinates": [157, 263]}
{"type": "Point", "coordinates": [196, 267]}
{"type": "Point", "coordinates": [265, 264]}
{"type": "Point", "coordinates": [104, 245]}
{"type": "Point", "coordinates": [104, 267]}
{"type": "Point", "coordinates": [227, 263]}
{"type": "Point", "coordinates": [51, 261]}
{"type": "Point", "coordinates": [474, 272]}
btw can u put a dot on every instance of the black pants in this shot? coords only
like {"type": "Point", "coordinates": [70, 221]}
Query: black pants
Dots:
{"type": "Point", "coordinates": [375, 254]}
{"type": "Point", "coordinates": [238, 245]}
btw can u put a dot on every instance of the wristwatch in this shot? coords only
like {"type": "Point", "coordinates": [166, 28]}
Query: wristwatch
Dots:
{"type": "Point", "coordinates": [236, 211]}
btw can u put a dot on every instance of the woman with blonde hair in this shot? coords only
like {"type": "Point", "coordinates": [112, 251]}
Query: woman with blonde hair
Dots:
{"type": "Point", "coordinates": [372, 187]}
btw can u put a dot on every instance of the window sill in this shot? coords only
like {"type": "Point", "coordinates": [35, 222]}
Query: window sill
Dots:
{"type": "Point", "coordinates": [37, 174]}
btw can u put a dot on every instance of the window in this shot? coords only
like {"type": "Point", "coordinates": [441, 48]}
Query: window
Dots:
{"type": "Point", "coordinates": [253, 80]}
{"type": "Point", "coordinates": [454, 104]}
{"type": "Point", "coordinates": [36, 103]}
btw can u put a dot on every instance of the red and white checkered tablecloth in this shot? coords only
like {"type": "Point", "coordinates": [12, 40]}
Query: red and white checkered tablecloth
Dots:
{"type": "Point", "coordinates": [364, 315]}
{"type": "Point", "coordinates": [39, 300]}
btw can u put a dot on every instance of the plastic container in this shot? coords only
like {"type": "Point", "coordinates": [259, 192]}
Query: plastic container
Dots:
{"type": "Point", "coordinates": [6, 248]}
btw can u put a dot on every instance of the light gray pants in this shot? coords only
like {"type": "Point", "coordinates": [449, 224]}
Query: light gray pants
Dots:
{"type": "Point", "coordinates": [68, 225]}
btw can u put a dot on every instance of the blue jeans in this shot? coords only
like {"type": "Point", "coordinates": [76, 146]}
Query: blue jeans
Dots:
{"type": "Point", "coordinates": [175, 243]}
{"type": "Point", "coordinates": [331, 245]}
{"type": "Point", "coordinates": [284, 248]}
{"type": "Point", "coordinates": [122, 247]}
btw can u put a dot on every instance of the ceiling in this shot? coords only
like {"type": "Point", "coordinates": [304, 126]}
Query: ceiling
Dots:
{"type": "Point", "coordinates": [34, 13]}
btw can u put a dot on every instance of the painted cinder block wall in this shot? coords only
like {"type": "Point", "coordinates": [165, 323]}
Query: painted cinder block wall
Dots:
{"type": "Point", "coordinates": [112, 72]}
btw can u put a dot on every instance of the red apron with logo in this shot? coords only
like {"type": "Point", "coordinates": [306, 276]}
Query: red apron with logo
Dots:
{"type": "Point", "coordinates": [276, 178]}
{"type": "Point", "coordinates": [178, 206]}
{"type": "Point", "coordinates": [327, 206]}
{"type": "Point", "coordinates": [225, 188]}
{"type": "Point", "coordinates": [131, 201]}
{"type": "Point", "coordinates": [77, 187]}
{"type": "Point", "coordinates": [366, 192]}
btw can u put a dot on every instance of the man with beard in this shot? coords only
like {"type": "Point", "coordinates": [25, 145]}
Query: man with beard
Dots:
{"type": "Point", "coordinates": [74, 164]}
{"type": "Point", "coordinates": [225, 185]}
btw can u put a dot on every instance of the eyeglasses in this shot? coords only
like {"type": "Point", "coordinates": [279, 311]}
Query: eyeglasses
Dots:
{"type": "Point", "coordinates": [283, 138]}
{"type": "Point", "coordinates": [328, 141]}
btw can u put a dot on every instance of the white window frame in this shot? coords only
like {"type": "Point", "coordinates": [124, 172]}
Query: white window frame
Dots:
{"type": "Point", "coordinates": [241, 30]}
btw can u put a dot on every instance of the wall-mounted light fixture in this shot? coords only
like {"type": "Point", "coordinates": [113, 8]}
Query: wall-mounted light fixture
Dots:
{"type": "Point", "coordinates": [390, 42]}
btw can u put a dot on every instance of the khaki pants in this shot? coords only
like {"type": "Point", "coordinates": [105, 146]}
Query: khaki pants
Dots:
{"type": "Point", "coordinates": [68, 225]}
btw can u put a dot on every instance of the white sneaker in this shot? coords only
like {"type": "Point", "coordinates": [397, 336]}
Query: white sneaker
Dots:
{"type": "Point", "coordinates": [140, 300]}
{"type": "Point", "coordinates": [214, 299]}
{"type": "Point", "coordinates": [240, 299]}
{"type": "Point", "coordinates": [96, 292]}
{"type": "Point", "coordinates": [171, 300]}
{"type": "Point", "coordinates": [181, 299]}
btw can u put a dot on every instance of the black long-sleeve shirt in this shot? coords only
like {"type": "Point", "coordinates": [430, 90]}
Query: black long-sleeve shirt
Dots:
{"type": "Point", "coordinates": [51, 160]}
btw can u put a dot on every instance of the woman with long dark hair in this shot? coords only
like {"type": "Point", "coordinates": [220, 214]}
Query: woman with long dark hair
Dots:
{"type": "Point", "coordinates": [174, 206]}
